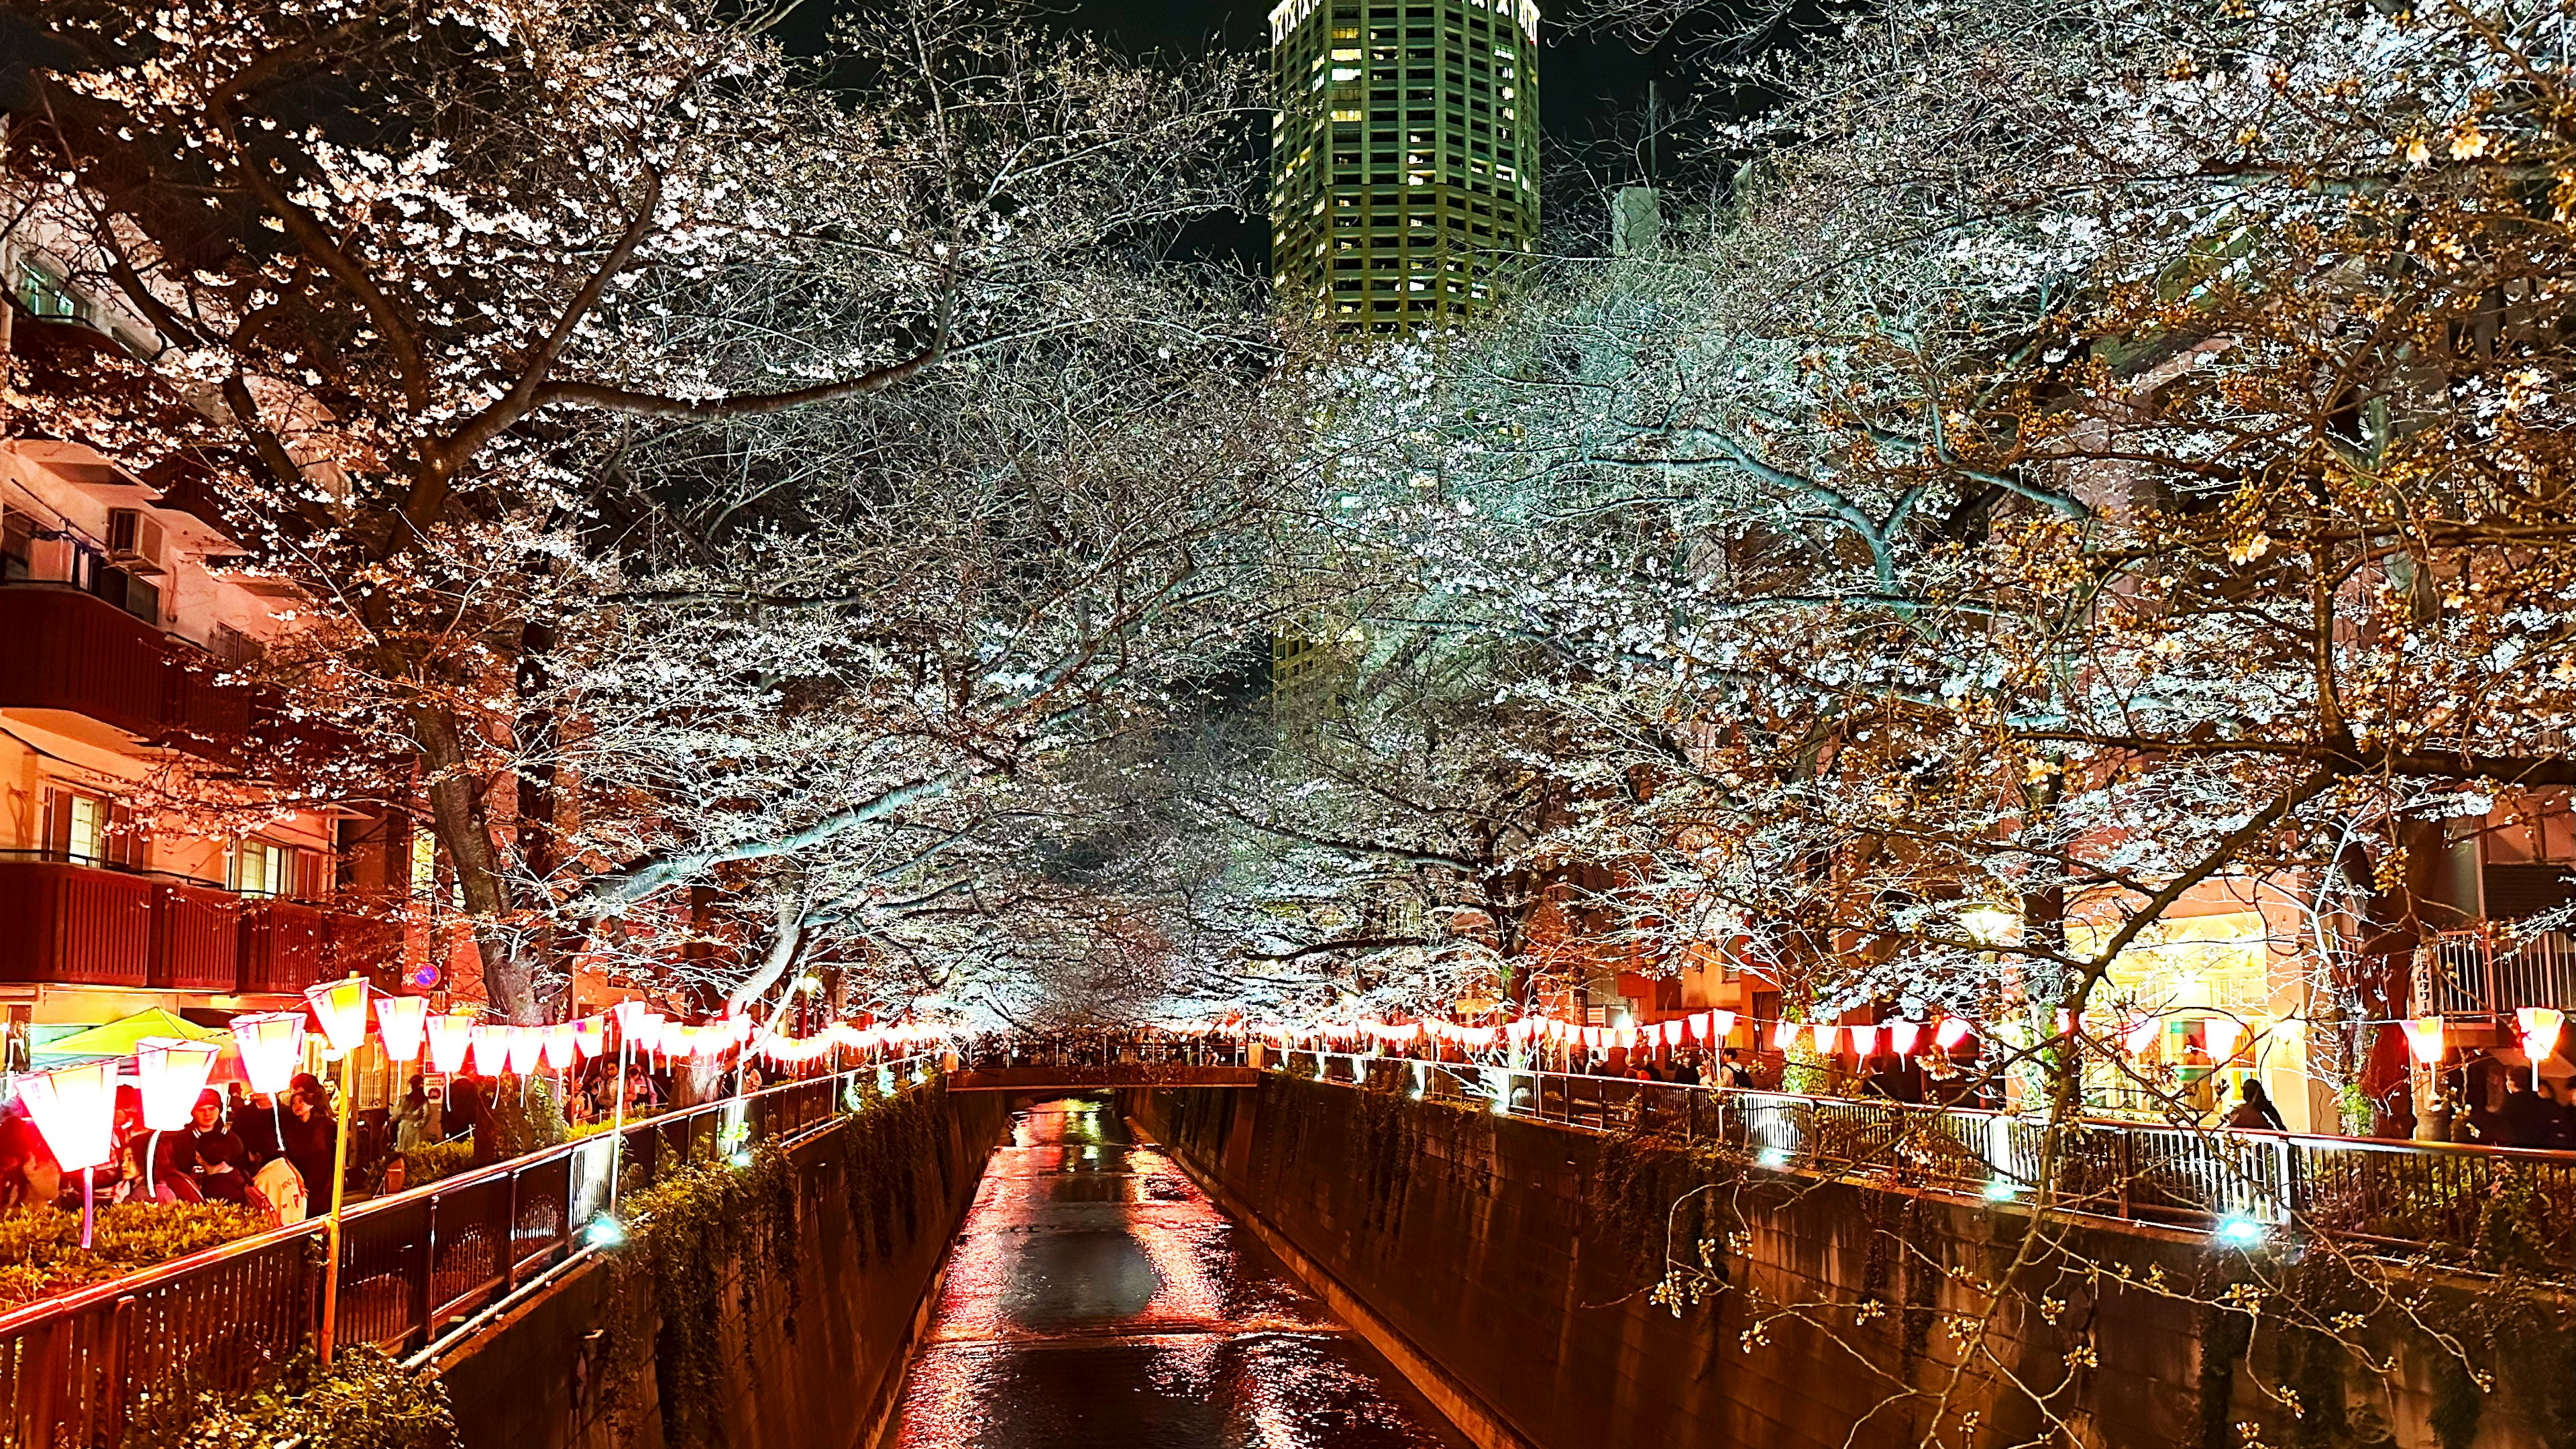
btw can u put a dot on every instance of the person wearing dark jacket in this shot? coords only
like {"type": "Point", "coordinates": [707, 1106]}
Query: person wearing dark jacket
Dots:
{"type": "Point", "coordinates": [310, 1134]}
{"type": "Point", "coordinates": [2527, 1119]}
{"type": "Point", "coordinates": [2256, 1112]}
{"type": "Point", "coordinates": [212, 1156]}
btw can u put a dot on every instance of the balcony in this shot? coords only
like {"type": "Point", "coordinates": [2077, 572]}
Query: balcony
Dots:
{"type": "Point", "coordinates": [2479, 972]}
{"type": "Point", "coordinates": [83, 925]}
{"type": "Point", "coordinates": [82, 655]}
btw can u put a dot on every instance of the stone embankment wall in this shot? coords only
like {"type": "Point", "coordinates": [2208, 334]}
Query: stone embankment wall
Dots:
{"type": "Point", "coordinates": [807, 1363]}
{"type": "Point", "coordinates": [1516, 1259]}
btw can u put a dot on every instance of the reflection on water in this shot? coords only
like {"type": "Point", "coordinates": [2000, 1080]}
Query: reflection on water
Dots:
{"type": "Point", "coordinates": [1096, 1297]}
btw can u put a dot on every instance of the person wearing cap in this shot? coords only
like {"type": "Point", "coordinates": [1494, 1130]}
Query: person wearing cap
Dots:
{"type": "Point", "coordinates": [214, 1158]}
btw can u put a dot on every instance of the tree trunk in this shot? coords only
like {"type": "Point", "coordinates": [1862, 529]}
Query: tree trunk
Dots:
{"type": "Point", "coordinates": [456, 811]}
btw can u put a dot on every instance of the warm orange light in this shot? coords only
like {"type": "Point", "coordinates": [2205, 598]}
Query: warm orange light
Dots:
{"type": "Point", "coordinates": [1864, 1041]}
{"type": "Point", "coordinates": [1784, 1035]}
{"type": "Point", "coordinates": [170, 1075]}
{"type": "Point", "coordinates": [75, 1109]}
{"type": "Point", "coordinates": [2540, 1028]}
{"type": "Point", "coordinates": [1826, 1034]}
{"type": "Point", "coordinates": [272, 1047]}
{"type": "Point", "coordinates": [524, 1046]}
{"type": "Point", "coordinates": [2424, 1040]}
{"type": "Point", "coordinates": [1902, 1035]}
{"type": "Point", "coordinates": [2141, 1036]}
{"type": "Point", "coordinates": [401, 1024]}
{"type": "Point", "coordinates": [341, 1007]}
{"type": "Point", "coordinates": [560, 1044]}
{"type": "Point", "coordinates": [1952, 1031]}
{"type": "Point", "coordinates": [2224, 1032]}
{"type": "Point", "coordinates": [451, 1038]}
{"type": "Point", "coordinates": [590, 1036]}
{"type": "Point", "coordinates": [1721, 1025]}
{"type": "Point", "coordinates": [491, 1050]}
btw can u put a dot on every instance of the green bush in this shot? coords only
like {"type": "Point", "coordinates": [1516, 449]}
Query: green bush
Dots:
{"type": "Point", "coordinates": [435, 1160]}
{"type": "Point", "coordinates": [40, 1251]}
{"type": "Point", "coordinates": [364, 1400]}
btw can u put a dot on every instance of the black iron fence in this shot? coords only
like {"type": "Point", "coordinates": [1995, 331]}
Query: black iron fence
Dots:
{"type": "Point", "coordinates": [2440, 1198]}
{"type": "Point", "coordinates": [74, 1369]}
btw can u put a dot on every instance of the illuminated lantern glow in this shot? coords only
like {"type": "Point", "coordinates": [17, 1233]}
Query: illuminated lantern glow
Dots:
{"type": "Point", "coordinates": [1902, 1036]}
{"type": "Point", "coordinates": [2141, 1036]}
{"type": "Point", "coordinates": [75, 1109]}
{"type": "Point", "coordinates": [272, 1047]}
{"type": "Point", "coordinates": [341, 1007]}
{"type": "Point", "coordinates": [590, 1035]}
{"type": "Point", "coordinates": [1952, 1031]}
{"type": "Point", "coordinates": [522, 1047]}
{"type": "Point", "coordinates": [491, 1050]}
{"type": "Point", "coordinates": [561, 1046]}
{"type": "Point", "coordinates": [1826, 1034]}
{"type": "Point", "coordinates": [2424, 1040]}
{"type": "Point", "coordinates": [652, 1029]}
{"type": "Point", "coordinates": [1784, 1035]}
{"type": "Point", "coordinates": [402, 1023]}
{"type": "Point", "coordinates": [2541, 1026]}
{"type": "Point", "coordinates": [1864, 1042]}
{"type": "Point", "coordinates": [2223, 1032]}
{"type": "Point", "coordinates": [1673, 1032]}
{"type": "Point", "coordinates": [170, 1074]}
{"type": "Point", "coordinates": [451, 1037]}
{"type": "Point", "coordinates": [1721, 1025]}
{"type": "Point", "coordinates": [1627, 1038]}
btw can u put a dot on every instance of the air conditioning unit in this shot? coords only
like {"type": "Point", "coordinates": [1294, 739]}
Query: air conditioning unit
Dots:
{"type": "Point", "coordinates": [134, 541]}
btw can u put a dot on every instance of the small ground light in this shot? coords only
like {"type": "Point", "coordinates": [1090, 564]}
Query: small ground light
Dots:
{"type": "Point", "coordinates": [2000, 1190]}
{"type": "Point", "coordinates": [2239, 1231]}
{"type": "Point", "coordinates": [741, 1159]}
{"type": "Point", "coordinates": [604, 1233]}
{"type": "Point", "coordinates": [1774, 1157]}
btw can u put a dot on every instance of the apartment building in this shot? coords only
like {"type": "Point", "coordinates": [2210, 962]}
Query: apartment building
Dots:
{"type": "Point", "coordinates": [123, 607]}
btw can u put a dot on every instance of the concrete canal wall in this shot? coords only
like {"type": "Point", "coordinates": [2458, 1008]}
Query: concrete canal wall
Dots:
{"type": "Point", "coordinates": [1515, 1259]}
{"type": "Point", "coordinates": [810, 1359]}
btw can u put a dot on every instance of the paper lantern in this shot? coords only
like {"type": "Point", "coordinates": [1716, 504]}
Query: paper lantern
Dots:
{"type": "Point", "coordinates": [401, 1023]}
{"type": "Point", "coordinates": [1627, 1038]}
{"type": "Point", "coordinates": [1952, 1031]}
{"type": "Point", "coordinates": [651, 1029]}
{"type": "Point", "coordinates": [1721, 1025]}
{"type": "Point", "coordinates": [451, 1037]}
{"type": "Point", "coordinates": [2223, 1033]}
{"type": "Point", "coordinates": [2424, 1040]}
{"type": "Point", "coordinates": [1826, 1034]}
{"type": "Point", "coordinates": [1673, 1032]}
{"type": "Point", "coordinates": [2140, 1037]}
{"type": "Point", "coordinates": [522, 1047]}
{"type": "Point", "coordinates": [170, 1075]}
{"type": "Point", "coordinates": [491, 1050]}
{"type": "Point", "coordinates": [1864, 1042]}
{"type": "Point", "coordinates": [2540, 1028]}
{"type": "Point", "coordinates": [560, 1045]}
{"type": "Point", "coordinates": [590, 1036]}
{"type": "Point", "coordinates": [75, 1109]}
{"type": "Point", "coordinates": [1784, 1035]}
{"type": "Point", "coordinates": [272, 1047]}
{"type": "Point", "coordinates": [341, 1007]}
{"type": "Point", "coordinates": [1902, 1035]}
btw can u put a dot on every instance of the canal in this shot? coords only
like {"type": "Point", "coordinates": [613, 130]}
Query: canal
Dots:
{"type": "Point", "coordinates": [1095, 1297]}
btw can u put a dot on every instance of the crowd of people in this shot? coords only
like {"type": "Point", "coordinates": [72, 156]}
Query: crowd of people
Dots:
{"type": "Point", "coordinates": [254, 1149]}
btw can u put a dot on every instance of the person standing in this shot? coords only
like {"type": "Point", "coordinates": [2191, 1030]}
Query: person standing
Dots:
{"type": "Point", "coordinates": [214, 1158]}
{"type": "Point", "coordinates": [310, 1135]}
{"type": "Point", "coordinates": [2256, 1112]}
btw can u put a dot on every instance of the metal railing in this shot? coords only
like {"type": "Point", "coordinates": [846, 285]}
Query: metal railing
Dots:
{"type": "Point", "coordinates": [2408, 1196]}
{"type": "Point", "coordinates": [72, 1368]}
{"type": "Point", "coordinates": [2478, 973]}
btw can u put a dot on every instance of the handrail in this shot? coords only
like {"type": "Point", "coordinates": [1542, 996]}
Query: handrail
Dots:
{"type": "Point", "coordinates": [2239, 1184]}
{"type": "Point", "coordinates": [410, 1263]}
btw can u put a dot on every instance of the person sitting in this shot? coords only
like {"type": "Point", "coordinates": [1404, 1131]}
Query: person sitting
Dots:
{"type": "Point", "coordinates": [213, 1158]}
{"type": "Point", "coordinates": [156, 1169]}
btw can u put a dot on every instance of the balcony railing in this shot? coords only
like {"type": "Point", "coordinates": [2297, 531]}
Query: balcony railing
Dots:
{"type": "Point", "coordinates": [72, 1369]}
{"type": "Point", "coordinates": [2483, 972]}
{"type": "Point", "coordinates": [2407, 1198]}
{"type": "Point", "coordinates": [82, 655]}
{"type": "Point", "coordinates": [85, 925]}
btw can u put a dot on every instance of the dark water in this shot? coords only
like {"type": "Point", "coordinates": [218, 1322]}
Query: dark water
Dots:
{"type": "Point", "coordinates": [1097, 1297]}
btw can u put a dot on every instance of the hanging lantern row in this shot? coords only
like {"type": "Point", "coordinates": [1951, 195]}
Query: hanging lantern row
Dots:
{"type": "Point", "coordinates": [1706, 1029]}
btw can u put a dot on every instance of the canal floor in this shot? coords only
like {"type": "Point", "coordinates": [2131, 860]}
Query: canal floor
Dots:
{"type": "Point", "coordinates": [1095, 1297]}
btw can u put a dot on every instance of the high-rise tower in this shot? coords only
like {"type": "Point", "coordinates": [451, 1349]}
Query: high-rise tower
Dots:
{"type": "Point", "coordinates": [1404, 170]}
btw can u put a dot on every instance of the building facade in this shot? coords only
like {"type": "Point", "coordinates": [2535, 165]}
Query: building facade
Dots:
{"type": "Point", "coordinates": [143, 862]}
{"type": "Point", "coordinates": [1404, 156]}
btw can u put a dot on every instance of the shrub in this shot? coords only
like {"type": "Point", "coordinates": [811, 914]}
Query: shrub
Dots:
{"type": "Point", "coordinates": [40, 1251]}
